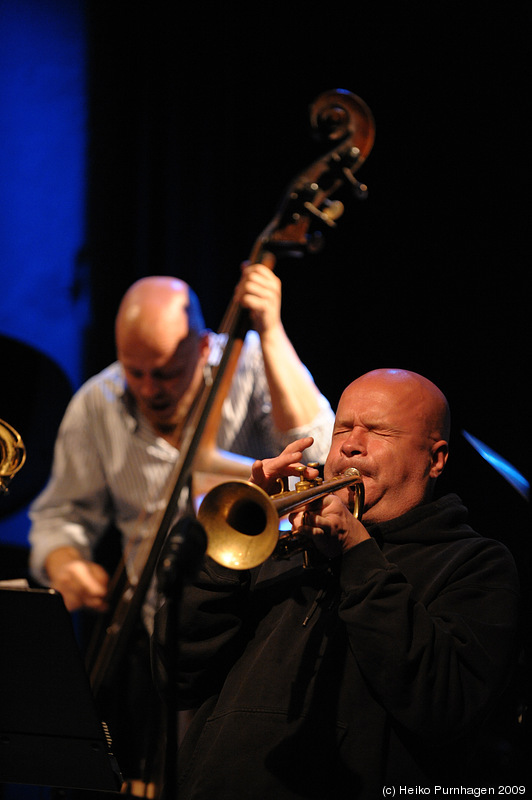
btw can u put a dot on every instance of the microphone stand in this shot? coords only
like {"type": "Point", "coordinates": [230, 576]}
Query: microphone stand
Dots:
{"type": "Point", "coordinates": [179, 562]}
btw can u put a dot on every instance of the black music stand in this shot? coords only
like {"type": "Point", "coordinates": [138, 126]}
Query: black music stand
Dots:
{"type": "Point", "coordinates": [50, 732]}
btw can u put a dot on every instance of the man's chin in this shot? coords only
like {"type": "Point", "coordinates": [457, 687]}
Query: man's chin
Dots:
{"type": "Point", "coordinates": [162, 419]}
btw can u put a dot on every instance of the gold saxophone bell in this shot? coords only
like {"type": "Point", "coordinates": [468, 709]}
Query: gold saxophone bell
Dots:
{"type": "Point", "coordinates": [241, 520]}
{"type": "Point", "coordinates": [12, 454]}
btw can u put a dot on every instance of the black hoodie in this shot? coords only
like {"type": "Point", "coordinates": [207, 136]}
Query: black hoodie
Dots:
{"type": "Point", "coordinates": [371, 671]}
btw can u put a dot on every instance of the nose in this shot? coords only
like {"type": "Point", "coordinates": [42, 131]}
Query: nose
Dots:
{"type": "Point", "coordinates": [149, 386]}
{"type": "Point", "coordinates": [355, 443]}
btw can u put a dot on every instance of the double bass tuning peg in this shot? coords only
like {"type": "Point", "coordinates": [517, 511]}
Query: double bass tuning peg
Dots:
{"type": "Point", "coordinates": [343, 164]}
{"type": "Point", "coordinates": [360, 190]}
{"type": "Point", "coordinates": [329, 213]}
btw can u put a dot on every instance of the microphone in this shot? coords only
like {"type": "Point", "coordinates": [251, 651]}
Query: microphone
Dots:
{"type": "Point", "coordinates": [181, 555]}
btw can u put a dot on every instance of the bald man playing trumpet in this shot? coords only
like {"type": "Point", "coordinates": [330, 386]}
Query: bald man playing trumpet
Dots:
{"type": "Point", "coordinates": [376, 666]}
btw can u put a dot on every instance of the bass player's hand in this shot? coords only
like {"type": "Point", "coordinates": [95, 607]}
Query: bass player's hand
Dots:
{"type": "Point", "coordinates": [82, 583]}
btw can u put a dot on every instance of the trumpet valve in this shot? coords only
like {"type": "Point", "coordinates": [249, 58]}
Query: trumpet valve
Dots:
{"type": "Point", "coordinates": [304, 483]}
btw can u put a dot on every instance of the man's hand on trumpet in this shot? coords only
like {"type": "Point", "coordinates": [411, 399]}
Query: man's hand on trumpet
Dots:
{"type": "Point", "coordinates": [327, 522]}
{"type": "Point", "coordinates": [265, 473]}
{"type": "Point", "coordinates": [330, 525]}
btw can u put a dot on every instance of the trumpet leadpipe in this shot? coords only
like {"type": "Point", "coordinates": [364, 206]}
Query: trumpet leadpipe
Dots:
{"type": "Point", "coordinates": [286, 502]}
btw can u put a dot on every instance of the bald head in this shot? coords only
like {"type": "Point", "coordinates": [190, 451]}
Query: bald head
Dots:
{"type": "Point", "coordinates": [162, 346]}
{"type": "Point", "coordinates": [153, 307]}
{"type": "Point", "coordinates": [426, 402]}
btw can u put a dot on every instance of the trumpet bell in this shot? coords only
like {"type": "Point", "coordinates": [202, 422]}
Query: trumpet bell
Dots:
{"type": "Point", "coordinates": [246, 524]}
{"type": "Point", "coordinates": [12, 454]}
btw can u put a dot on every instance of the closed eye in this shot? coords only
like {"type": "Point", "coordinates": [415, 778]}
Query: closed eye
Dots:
{"type": "Point", "coordinates": [345, 432]}
{"type": "Point", "coordinates": [376, 431]}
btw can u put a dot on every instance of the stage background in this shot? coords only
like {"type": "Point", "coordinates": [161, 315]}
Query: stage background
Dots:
{"type": "Point", "coordinates": [143, 138]}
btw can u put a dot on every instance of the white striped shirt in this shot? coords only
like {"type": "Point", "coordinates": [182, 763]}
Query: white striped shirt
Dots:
{"type": "Point", "coordinates": [110, 467]}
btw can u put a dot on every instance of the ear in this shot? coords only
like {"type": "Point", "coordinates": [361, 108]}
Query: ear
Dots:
{"type": "Point", "coordinates": [439, 456]}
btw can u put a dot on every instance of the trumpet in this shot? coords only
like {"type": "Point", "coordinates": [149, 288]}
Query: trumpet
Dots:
{"type": "Point", "coordinates": [12, 454]}
{"type": "Point", "coordinates": [241, 520]}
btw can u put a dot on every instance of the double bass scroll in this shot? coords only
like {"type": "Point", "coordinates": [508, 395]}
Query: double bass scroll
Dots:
{"type": "Point", "coordinates": [310, 204]}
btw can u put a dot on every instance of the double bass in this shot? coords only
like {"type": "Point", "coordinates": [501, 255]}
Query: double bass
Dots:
{"type": "Point", "coordinates": [310, 208]}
